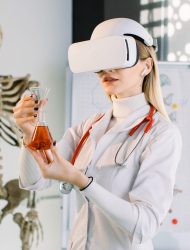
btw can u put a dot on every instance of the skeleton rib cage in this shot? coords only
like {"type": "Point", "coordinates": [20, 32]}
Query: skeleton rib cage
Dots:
{"type": "Point", "coordinates": [11, 90]}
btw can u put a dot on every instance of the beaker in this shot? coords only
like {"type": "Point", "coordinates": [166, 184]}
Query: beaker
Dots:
{"type": "Point", "coordinates": [41, 138]}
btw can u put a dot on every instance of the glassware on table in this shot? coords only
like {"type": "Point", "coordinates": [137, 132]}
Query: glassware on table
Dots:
{"type": "Point", "coordinates": [41, 138]}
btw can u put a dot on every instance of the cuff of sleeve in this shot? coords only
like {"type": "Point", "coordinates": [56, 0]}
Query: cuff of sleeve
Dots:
{"type": "Point", "coordinates": [89, 182]}
{"type": "Point", "coordinates": [38, 185]}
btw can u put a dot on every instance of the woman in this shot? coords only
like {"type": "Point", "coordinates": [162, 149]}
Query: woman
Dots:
{"type": "Point", "coordinates": [124, 172]}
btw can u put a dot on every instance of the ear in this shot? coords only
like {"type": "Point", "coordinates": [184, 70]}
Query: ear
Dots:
{"type": "Point", "coordinates": [148, 65]}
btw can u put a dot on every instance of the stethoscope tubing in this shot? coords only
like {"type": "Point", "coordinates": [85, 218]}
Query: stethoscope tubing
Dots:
{"type": "Point", "coordinates": [65, 188]}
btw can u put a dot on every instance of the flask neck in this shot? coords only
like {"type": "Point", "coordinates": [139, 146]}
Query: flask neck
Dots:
{"type": "Point", "coordinates": [42, 118]}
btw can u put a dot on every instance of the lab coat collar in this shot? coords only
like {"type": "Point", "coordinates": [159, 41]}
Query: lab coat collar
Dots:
{"type": "Point", "coordinates": [99, 128]}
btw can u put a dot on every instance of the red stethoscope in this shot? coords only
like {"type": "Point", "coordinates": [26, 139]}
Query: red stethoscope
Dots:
{"type": "Point", "coordinates": [67, 187]}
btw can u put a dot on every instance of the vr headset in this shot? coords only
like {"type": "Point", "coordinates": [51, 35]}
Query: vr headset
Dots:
{"type": "Point", "coordinates": [102, 54]}
{"type": "Point", "coordinates": [110, 47]}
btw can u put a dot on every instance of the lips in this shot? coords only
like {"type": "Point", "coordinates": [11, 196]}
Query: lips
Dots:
{"type": "Point", "coordinates": [109, 79]}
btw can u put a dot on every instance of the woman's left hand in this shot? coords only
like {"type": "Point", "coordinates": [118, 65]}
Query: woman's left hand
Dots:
{"type": "Point", "coordinates": [59, 168]}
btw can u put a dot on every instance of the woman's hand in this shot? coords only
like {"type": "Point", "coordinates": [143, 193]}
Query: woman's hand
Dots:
{"type": "Point", "coordinates": [59, 168]}
{"type": "Point", "coordinates": [25, 114]}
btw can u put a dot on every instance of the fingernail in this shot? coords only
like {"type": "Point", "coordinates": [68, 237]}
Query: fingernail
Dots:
{"type": "Point", "coordinates": [36, 108]}
{"type": "Point", "coordinates": [54, 143]}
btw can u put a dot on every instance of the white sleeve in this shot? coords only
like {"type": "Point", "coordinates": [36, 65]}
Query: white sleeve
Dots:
{"type": "Point", "coordinates": [29, 173]}
{"type": "Point", "coordinates": [152, 192]}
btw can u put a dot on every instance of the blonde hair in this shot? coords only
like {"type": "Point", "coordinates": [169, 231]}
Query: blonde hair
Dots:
{"type": "Point", "coordinates": [1, 36]}
{"type": "Point", "coordinates": [151, 84]}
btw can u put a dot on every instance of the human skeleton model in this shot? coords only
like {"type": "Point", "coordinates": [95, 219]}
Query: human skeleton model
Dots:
{"type": "Point", "coordinates": [11, 89]}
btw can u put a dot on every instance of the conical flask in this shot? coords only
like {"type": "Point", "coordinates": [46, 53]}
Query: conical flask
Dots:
{"type": "Point", "coordinates": [41, 138]}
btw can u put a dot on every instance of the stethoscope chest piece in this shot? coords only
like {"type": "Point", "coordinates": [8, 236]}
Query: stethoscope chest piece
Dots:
{"type": "Point", "coordinates": [65, 188]}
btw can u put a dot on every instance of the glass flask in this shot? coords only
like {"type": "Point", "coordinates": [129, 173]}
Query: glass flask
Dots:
{"type": "Point", "coordinates": [41, 138]}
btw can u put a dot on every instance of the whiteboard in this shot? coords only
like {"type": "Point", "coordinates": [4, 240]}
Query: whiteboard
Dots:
{"type": "Point", "coordinates": [88, 97]}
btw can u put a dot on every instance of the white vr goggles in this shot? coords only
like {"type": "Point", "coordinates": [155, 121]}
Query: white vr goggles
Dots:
{"type": "Point", "coordinates": [110, 47]}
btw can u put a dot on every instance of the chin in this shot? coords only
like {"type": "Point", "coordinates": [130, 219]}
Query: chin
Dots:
{"type": "Point", "coordinates": [110, 91]}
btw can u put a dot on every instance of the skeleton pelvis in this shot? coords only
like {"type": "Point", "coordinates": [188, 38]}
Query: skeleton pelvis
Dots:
{"type": "Point", "coordinates": [11, 193]}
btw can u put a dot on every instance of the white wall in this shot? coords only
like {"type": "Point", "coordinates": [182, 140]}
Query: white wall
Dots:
{"type": "Point", "coordinates": [36, 37]}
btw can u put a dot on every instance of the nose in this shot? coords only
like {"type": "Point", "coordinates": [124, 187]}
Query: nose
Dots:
{"type": "Point", "coordinates": [109, 70]}
{"type": "Point", "coordinates": [102, 72]}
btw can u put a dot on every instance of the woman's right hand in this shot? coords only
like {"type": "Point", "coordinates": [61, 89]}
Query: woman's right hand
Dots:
{"type": "Point", "coordinates": [25, 114]}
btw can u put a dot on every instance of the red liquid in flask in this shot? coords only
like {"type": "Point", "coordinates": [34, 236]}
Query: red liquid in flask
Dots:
{"type": "Point", "coordinates": [41, 138]}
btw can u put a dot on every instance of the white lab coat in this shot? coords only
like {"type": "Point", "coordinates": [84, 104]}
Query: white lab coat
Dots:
{"type": "Point", "coordinates": [125, 205]}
